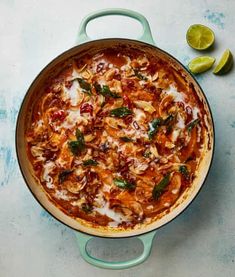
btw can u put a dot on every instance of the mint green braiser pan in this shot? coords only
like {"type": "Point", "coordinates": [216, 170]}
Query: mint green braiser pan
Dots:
{"type": "Point", "coordinates": [84, 233]}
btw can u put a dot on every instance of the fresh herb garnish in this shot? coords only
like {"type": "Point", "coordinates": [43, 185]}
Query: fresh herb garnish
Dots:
{"type": "Point", "coordinates": [90, 162]}
{"type": "Point", "coordinates": [85, 86]}
{"type": "Point", "coordinates": [168, 122]}
{"type": "Point", "coordinates": [123, 184]}
{"type": "Point", "coordinates": [126, 139]}
{"type": "Point", "coordinates": [120, 112]}
{"type": "Point", "coordinates": [64, 175]}
{"type": "Point", "coordinates": [157, 122]}
{"type": "Point", "coordinates": [192, 124]}
{"type": "Point", "coordinates": [80, 137]}
{"type": "Point", "coordinates": [87, 208]}
{"type": "Point", "coordinates": [153, 127]}
{"type": "Point", "coordinates": [184, 171]}
{"type": "Point", "coordinates": [139, 75]}
{"type": "Point", "coordinates": [77, 146]}
{"type": "Point", "coordinates": [105, 91]}
{"type": "Point", "coordinates": [159, 188]}
{"type": "Point", "coordinates": [74, 147]}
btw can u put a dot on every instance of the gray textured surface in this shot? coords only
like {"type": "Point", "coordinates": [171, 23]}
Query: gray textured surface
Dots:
{"type": "Point", "coordinates": [201, 242]}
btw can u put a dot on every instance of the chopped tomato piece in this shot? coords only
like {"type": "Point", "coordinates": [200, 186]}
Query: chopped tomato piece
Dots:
{"type": "Point", "coordinates": [86, 108]}
{"type": "Point", "coordinates": [127, 101]}
{"type": "Point", "coordinates": [58, 115]}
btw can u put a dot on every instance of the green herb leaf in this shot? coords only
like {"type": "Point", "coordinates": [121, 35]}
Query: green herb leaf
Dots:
{"type": "Point", "coordinates": [120, 112]}
{"type": "Point", "coordinates": [80, 137]}
{"type": "Point", "coordinates": [153, 127]}
{"type": "Point", "coordinates": [139, 75]}
{"type": "Point", "coordinates": [192, 124]}
{"type": "Point", "coordinates": [74, 147]}
{"type": "Point", "coordinates": [184, 171]}
{"type": "Point", "coordinates": [77, 146]}
{"type": "Point", "coordinates": [156, 123]}
{"type": "Point", "coordinates": [105, 91]}
{"type": "Point", "coordinates": [126, 139]}
{"type": "Point", "coordinates": [160, 187]}
{"type": "Point", "coordinates": [90, 162]}
{"type": "Point", "coordinates": [87, 208]}
{"type": "Point", "coordinates": [123, 184]}
{"type": "Point", "coordinates": [86, 87]}
{"type": "Point", "coordinates": [64, 175]}
{"type": "Point", "coordinates": [168, 122]}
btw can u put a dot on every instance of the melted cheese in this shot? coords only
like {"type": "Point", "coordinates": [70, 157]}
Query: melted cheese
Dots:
{"type": "Point", "coordinates": [175, 135]}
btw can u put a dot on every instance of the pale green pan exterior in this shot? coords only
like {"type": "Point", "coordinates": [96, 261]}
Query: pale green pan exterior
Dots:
{"type": "Point", "coordinates": [146, 239]}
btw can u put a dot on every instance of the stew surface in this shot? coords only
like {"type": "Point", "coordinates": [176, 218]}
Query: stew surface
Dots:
{"type": "Point", "coordinates": [116, 138]}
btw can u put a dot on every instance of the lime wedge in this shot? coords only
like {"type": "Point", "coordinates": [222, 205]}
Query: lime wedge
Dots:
{"type": "Point", "coordinates": [201, 64]}
{"type": "Point", "coordinates": [225, 63]}
{"type": "Point", "coordinates": [200, 37]}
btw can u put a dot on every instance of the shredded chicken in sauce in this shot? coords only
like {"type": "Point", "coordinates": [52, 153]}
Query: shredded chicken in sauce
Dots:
{"type": "Point", "coordinates": [116, 138]}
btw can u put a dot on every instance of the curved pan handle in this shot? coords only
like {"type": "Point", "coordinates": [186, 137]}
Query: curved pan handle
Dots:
{"type": "Point", "coordinates": [147, 240]}
{"type": "Point", "coordinates": [146, 35]}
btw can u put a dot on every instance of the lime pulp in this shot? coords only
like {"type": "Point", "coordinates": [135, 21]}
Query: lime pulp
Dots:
{"type": "Point", "coordinates": [200, 37]}
{"type": "Point", "coordinates": [225, 63]}
{"type": "Point", "coordinates": [201, 64]}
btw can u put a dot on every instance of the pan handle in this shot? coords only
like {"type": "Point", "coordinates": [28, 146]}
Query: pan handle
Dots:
{"type": "Point", "coordinates": [146, 35]}
{"type": "Point", "coordinates": [147, 240]}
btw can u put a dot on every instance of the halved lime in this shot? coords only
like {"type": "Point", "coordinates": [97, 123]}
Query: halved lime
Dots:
{"type": "Point", "coordinates": [201, 64]}
{"type": "Point", "coordinates": [200, 37]}
{"type": "Point", "coordinates": [225, 63]}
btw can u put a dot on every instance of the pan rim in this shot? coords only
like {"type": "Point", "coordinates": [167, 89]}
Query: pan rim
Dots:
{"type": "Point", "coordinates": [129, 41]}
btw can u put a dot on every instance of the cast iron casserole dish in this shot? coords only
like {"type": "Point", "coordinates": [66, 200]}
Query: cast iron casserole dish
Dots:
{"type": "Point", "coordinates": [146, 232]}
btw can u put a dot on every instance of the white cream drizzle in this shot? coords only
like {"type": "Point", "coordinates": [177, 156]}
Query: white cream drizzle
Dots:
{"type": "Point", "coordinates": [62, 194]}
{"type": "Point", "coordinates": [47, 168]}
{"type": "Point", "coordinates": [175, 134]}
{"type": "Point", "coordinates": [75, 74]}
{"type": "Point", "coordinates": [116, 217]}
{"type": "Point", "coordinates": [180, 122]}
{"type": "Point", "coordinates": [178, 96]}
{"type": "Point", "coordinates": [73, 93]}
{"type": "Point", "coordinates": [74, 117]}
{"type": "Point", "coordinates": [195, 111]}
{"type": "Point", "coordinates": [175, 191]}
{"type": "Point", "coordinates": [106, 188]}
{"type": "Point", "coordinates": [40, 123]}
{"type": "Point", "coordinates": [139, 115]}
